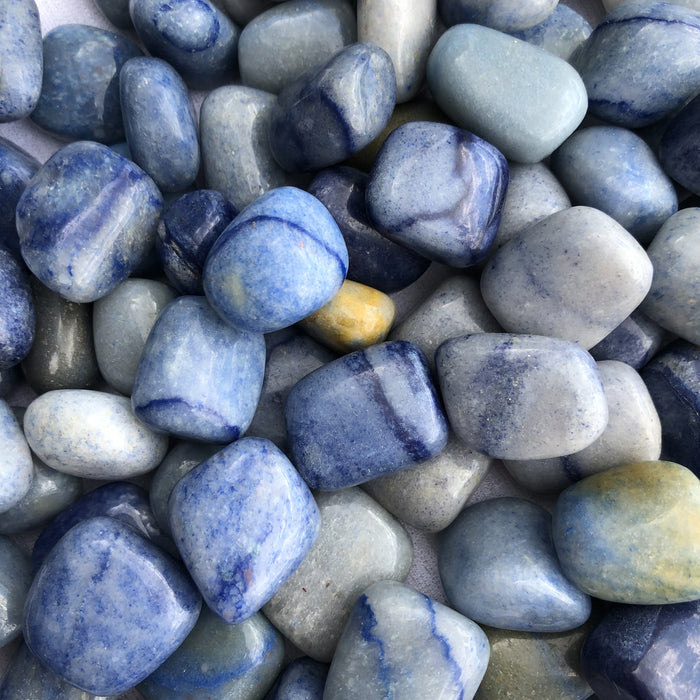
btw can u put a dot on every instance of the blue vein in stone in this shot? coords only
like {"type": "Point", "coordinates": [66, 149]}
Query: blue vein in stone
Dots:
{"type": "Point", "coordinates": [446, 649]}
{"type": "Point", "coordinates": [368, 621]}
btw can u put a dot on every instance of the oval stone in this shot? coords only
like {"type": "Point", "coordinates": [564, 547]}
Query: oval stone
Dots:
{"type": "Point", "coordinates": [302, 679]}
{"type": "Point", "coordinates": [17, 319]}
{"type": "Point", "coordinates": [16, 469]}
{"type": "Point", "coordinates": [504, 15]}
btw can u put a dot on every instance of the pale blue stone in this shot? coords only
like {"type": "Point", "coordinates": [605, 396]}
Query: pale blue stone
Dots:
{"type": "Point", "coordinates": [303, 679]}
{"type": "Point", "coordinates": [504, 15]}
{"type": "Point", "coordinates": [400, 643]}
{"type": "Point", "coordinates": [518, 97]}
{"type": "Point", "coordinates": [15, 579]}
{"type": "Point", "coordinates": [243, 521]}
{"type": "Point", "coordinates": [17, 320]}
{"type": "Point", "coordinates": [16, 469]}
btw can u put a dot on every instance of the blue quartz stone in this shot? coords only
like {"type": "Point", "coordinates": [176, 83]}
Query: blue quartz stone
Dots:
{"type": "Point", "coordinates": [87, 220]}
{"type": "Point", "coordinates": [107, 607]}
{"type": "Point", "coordinates": [333, 111]}
{"type": "Point", "coordinates": [504, 15]}
{"type": "Point", "coordinates": [186, 232]}
{"type": "Point", "coordinates": [17, 322]}
{"type": "Point", "coordinates": [21, 58]}
{"type": "Point", "coordinates": [439, 191]}
{"type": "Point", "coordinates": [280, 259]}
{"type": "Point", "coordinates": [194, 36]}
{"type": "Point", "coordinates": [673, 380]}
{"type": "Point", "coordinates": [303, 679]}
{"type": "Point", "coordinates": [15, 579]}
{"type": "Point", "coordinates": [16, 468]}
{"type": "Point", "coordinates": [80, 93]}
{"type": "Point", "coordinates": [364, 415]}
{"type": "Point", "coordinates": [243, 521]}
{"type": "Point", "coordinates": [122, 500]}
{"type": "Point", "coordinates": [374, 260]}
{"type": "Point", "coordinates": [117, 12]}
{"type": "Point", "coordinates": [645, 652]}
{"type": "Point", "coordinates": [679, 149]}
{"type": "Point", "coordinates": [499, 568]}
{"type": "Point", "coordinates": [159, 122]}
{"type": "Point", "coordinates": [642, 62]}
{"type": "Point", "coordinates": [198, 378]}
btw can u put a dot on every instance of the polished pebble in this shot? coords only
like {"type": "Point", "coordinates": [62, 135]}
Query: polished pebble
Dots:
{"type": "Point", "coordinates": [17, 320]}
{"type": "Point", "coordinates": [358, 544]}
{"type": "Point", "coordinates": [16, 466]}
{"type": "Point", "coordinates": [631, 534]}
{"type": "Point", "coordinates": [116, 11]}
{"type": "Point", "coordinates": [499, 14]}
{"type": "Point", "coordinates": [15, 579]}
{"type": "Point", "coordinates": [398, 642]}
{"type": "Point", "coordinates": [243, 521]}
{"type": "Point", "coordinates": [107, 607]}
{"type": "Point", "coordinates": [91, 434]}
{"type": "Point", "coordinates": [302, 679]}
{"type": "Point", "coordinates": [678, 150]}
{"type": "Point", "coordinates": [243, 11]}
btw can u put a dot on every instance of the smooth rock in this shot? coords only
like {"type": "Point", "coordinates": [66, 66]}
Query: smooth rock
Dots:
{"type": "Point", "coordinates": [16, 471]}
{"type": "Point", "coordinates": [359, 543]}
{"type": "Point", "coordinates": [15, 579]}
{"type": "Point", "coordinates": [17, 319]}
{"type": "Point", "coordinates": [367, 414]}
{"type": "Point", "coordinates": [630, 534]}
{"type": "Point", "coordinates": [518, 97]}
{"type": "Point", "coordinates": [107, 607]}
{"type": "Point", "coordinates": [243, 521]}
{"type": "Point", "coordinates": [333, 111]}
{"type": "Point", "coordinates": [302, 679]}
{"type": "Point", "coordinates": [400, 642]}
{"type": "Point", "coordinates": [279, 260]}
{"type": "Point", "coordinates": [91, 434]}
{"type": "Point", "coordinates": [198, 377]}
{"type": "Point", "coordinates": [117, 12]}
{"type": "Point", "coordinates": [504, 15]}
{"type": "Point", "coordinates": [679, 149]}
{"type": "Point", "coordinates": [576, 275]}
{"type": "Point", "coordinates": [243, 11]}
{"type": "Point", "coordinates": [439, 191]}
{"type": "Point", "coordinates": [219, 662]}
{"type": "Point", "coordinates": [159, 122]}
{"type": "Point", "coordinates": [87, 220]}
{"type": "Point", "coordinates": [521, 396]}
{"type": "Point", "coordinates": [80, 91]}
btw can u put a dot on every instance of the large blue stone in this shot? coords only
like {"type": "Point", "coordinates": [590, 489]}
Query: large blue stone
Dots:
{"type": "Point", "coordinates": [679, 149]}
{"type": "Point", "coordinates": [17, 322]}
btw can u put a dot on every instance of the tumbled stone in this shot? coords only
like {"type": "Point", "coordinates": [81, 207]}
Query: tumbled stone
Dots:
{"type": "Point", "coordinates": [117, 12]}
{"type": "Point", "coordinates": [16, 466]}
{"type": "Point", "coordinates": [302, 679]}
{"type": "Point", "coordinates": [17, 320]}
{"type": "Point", "coordinates": [630, 534]}
{"type": "Point", "coordinates": [243, 11]}
{"type": "Point", "coordinates": [502, 15]}
{"type": "Point", "coordinates": [678, 149]}
{"type": "Point", "coordinates": [358, 544]}
{"type": "Point", "coordinates": [15, 579]}
{"type": "Point", "coordinates": [398, 641]}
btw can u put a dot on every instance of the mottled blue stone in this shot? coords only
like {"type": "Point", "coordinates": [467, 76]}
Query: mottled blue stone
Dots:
{"type": "Point", "coordinates": [335, 110]}
{"type": "Point", "coordinates": [303, 679]}
{"type": "Point", "coordinates": [280, 259]}
{"type": "Point", "coordinates": [645, 652]}
{"type": "Point", "coordinates": [364, 415]}
{"type": "Point", "coordinates": [642, 62]}
{"type": "Point", "coordinates": [374, 260]}
{"type": "Point", "coordinates": [243, 520]}
{"type": "Point", "coordinates": [15, 579]}
{"type": "Point", "coordinates": [504, 15]}
{"type": "Point", "coordinates": [16, 469]}
{"type": "Point", "coordinates": [186, 232]}
{"type": "Point", "coordinates": [21, 58]}
{"type": "Point", "coordinates": [673, 380]}
{"type": "Point", "coordinates": [116, 11]}
{"type": "Point", "coordinates": [159, 122]}
{"type": "Point", "coordinates": [199, 378]}
{"type": "Point", "coordinates": [438, 190]}
{"type": "Point", "coordinates": [17, 321]}
{"type": "Point", "coordinates": [87, 220]}
{"type": "Point", "coordinates": [679, 149]}
{"type": "Point", "coordinates": [80, 92]}
{"type": "Point", "coordinates": [499, 568]}
{"type": "Point", "coordinates": [107, 607]}
{"type": "Point", "coordinates": [194, 36]}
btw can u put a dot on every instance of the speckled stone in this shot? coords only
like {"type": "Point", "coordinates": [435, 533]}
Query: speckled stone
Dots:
{"type": "Point", "coordinates": [91, 434]}
{"type": "Point", "coordinates": [107, 607]}
{"type": "Point", "coordinates": [15, 579]}
{"type": "Point", "coordinates": [631, 534]}
{"type": "Point", "coordinates": [80, 92]}
{"type": "Point", "coordinates": [679, 152]}
{"type": "Point", "coordinates": [503, 15]}
{"type": "Point", "coordinates": [116, 11]}
{"type": "Point", "coordinates": [358, 544]}
{"type": "Point", "coordinates": [16, 465]}
{"type": "Point", "coordinates": [17, 320]}
{"type": "Point", "coordinates": [87, 220]}
{"type": "Point", "coordinates": [302, 679]}
{"type": "Point", "coordinates": [219, 662]}
{"type": "Point", "coordinates": [400, 642]}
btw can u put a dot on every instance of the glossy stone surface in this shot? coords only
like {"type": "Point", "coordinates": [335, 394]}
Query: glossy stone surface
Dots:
{"type": "Point", "coordinates": [16, 466]}
{"type": "Point", "coordinates": [399, 641]}
{"type": "Point", "coordinates": [625, 656]}
{"type": "Point", "coordinates": [367, 414]}
{"type": "Point", "coordinates": [302, 679]}
{"type": "Point", "coordinates": [15, 579]}
{"type": "Point", "coordinates": [243, 521]}
{"type": "Point", "coordinates": [630, 534]}
{"type": "Point", "coordinates": [194, 36]}
{"type": "Point", "coordinates": [17, 321]}
{"type": "Point", "coordinates": [576, 275]}
{"type": "Point", "coordinates": [498, 87]}
{"type": "Point", "coordinates": [333, 111]}
{"type": "Point", "coordinates": [642, 62]}
{"type": "Point", "coordinates": [679, 149]}
{"type": "Point", "coordinates": [87, 220]}
{"type": "Point", "coordinates": [159, 122]}
{"type": "Point", "coordinates": [438, 190]}
{"type": "Point", "coordinates": [116, 11]}
{"type": "Point", "coordinates": [299, 256]}
{"type": "Point", "coordinates": [502, 15]}
{"type": "Point", "coordinates": [107, 607]}
{"type": "Point", "coordinates": [521, 396]}
{"type": "Point", "coordinates": [91, 434]}
{"type": "Point", "coordinates": [80, 92]}
{"type": "Point", "coordinates": [358, 544]}
{"type": "Point", "coordinates": [219, 662]}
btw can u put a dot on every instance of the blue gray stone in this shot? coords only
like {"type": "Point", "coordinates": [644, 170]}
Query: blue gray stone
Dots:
{"type": "Point", "coordinates": [503, 15]}
{"type": "Point", "coordinates": [17, 320]}
{"type": "Point", "coordinates": [10, 379]}
{"type": "Point", "coordinates": [15, 579]}
{"type": "Point", "coordinates": [17, 468]}
{"type": "Point", "coordinates": [80, 92]}
{"type": "Point", "coordinates": [679, 149]}
{"type": "Point", "coordinates": [302, 679]}
{"type": "Point", "coordinates": [87, 220]}
{"type": "Point", "coordinates": [243, 11]}
{"type": "Point", "coordinates": [107, 607]}
{"type": "Point", "coordinates": [117, 12]}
